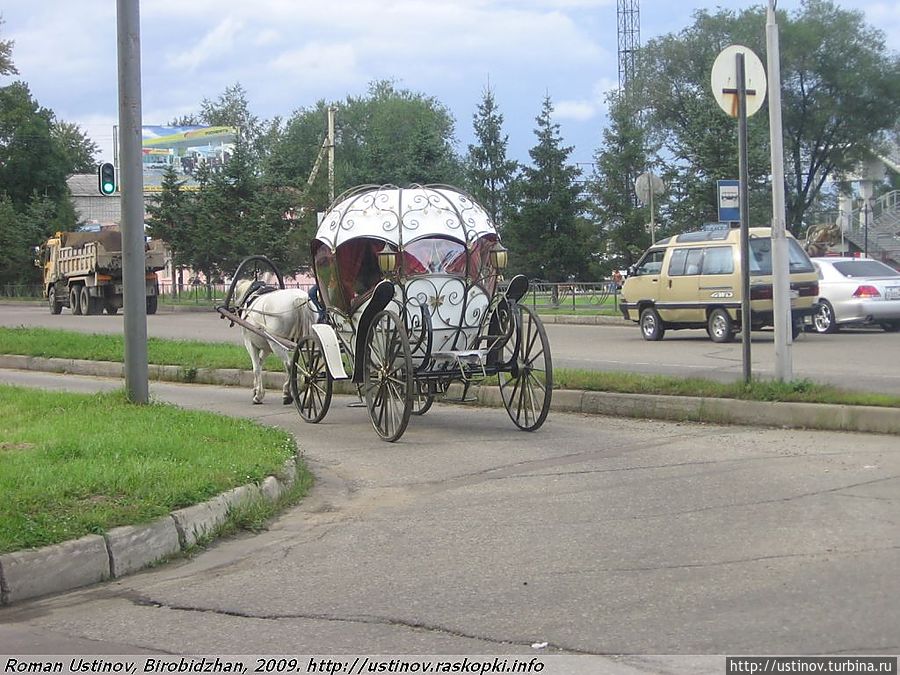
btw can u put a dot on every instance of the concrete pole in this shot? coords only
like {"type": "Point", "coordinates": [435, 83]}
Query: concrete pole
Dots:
{"type": "Point", "coordinates": [132, 188]}
{"type": "Point", "coordinates": [745, 212]}
{"type": "Point", "coordinates": [781, 275]}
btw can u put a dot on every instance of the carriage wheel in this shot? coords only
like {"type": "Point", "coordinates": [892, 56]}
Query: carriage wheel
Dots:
{"type": "Point", "coordinates": [311, 383]}
{"type": "Point", "coordinates": [527, 383]}
{"type": "Point", "coordinates": [421, 403]}
{"type": "Point", "coordinates": [388, 376]}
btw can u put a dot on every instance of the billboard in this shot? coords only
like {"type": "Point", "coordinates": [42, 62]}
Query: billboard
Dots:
{"type": "Point", "coordinates": [185, 149]}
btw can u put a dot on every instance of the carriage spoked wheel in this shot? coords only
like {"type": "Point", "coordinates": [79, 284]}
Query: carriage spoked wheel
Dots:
{"type": "Point", "coordinates": [311, 383]}
{"type": "Point", "coordinates": [526, 382]}
{"type": "Point", "coordinates": [388, 386]}
{"type": "Point", "coordinates": [421, 402]}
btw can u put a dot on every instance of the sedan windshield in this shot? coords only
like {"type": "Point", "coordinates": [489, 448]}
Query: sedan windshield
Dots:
{"type": "Point", "coordinates": [864, 268]}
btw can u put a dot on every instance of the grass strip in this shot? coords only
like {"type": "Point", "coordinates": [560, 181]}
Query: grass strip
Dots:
{"type": "Point", "coordinates": [187, 354]}
{"type": "Point", "coordinates": [76, 464]}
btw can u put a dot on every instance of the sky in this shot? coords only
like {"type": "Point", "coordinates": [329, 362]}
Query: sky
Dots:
{"type": "Point", "coordinates": [289, 54]}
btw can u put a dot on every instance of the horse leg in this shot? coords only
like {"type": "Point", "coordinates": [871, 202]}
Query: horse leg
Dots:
{"type": "Point", "coordinates": [259, 391]}
{"type": "Point", "coordinates": [286, 397]}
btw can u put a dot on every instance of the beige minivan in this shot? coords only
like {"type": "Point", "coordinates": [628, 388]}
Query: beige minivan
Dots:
{"type": "Point", "coordinates": [693, 280]}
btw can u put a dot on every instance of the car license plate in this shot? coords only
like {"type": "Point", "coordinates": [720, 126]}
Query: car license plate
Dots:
{"type": "Point", "coordinates": [892, 293]}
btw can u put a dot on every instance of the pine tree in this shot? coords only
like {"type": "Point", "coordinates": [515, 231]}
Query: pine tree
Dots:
{"type": "Point", "coordinates": [490, 173]}
{"type": "Point", "coordinates": [621, 158]}
{"type": "Point", "coordinates": [544, 236]}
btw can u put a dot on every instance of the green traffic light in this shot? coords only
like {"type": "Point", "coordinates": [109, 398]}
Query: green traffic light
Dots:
{"type": "Point", "coordinates": [109, 188]}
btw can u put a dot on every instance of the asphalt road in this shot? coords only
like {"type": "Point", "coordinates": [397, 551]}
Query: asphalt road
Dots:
{"type": "Point", "coordinates": [862, 358]}
{"type": "Point", "coordinates": [595, 535]}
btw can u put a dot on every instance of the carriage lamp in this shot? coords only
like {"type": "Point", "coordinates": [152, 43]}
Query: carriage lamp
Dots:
{"type": "Point", "coordinates": [499, 256]}
{"type": "Point", "coordinates": [387, 260]}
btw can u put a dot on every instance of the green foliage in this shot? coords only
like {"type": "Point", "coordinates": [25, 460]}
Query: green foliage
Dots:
{"type": "Point", "coordinates": [622, 157]}
{"type": "Point", "coordinates": [490, 175]}
{"type": "Point", "coordinates": [79, 150]}
{"type": "Point", "coordinates": [30, 161]}
{"type": "Point", "coordinates": [7, 67]}
{"type": "Point", "coordinates": [840, 91]}
{"type": "Point", "coordinates": [544, 237]}
{"type": "Point", "coordinates": [685, 120]}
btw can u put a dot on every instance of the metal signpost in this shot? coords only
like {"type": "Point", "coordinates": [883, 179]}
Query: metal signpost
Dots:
{"type": "Point", "coordinates": [739, 86]}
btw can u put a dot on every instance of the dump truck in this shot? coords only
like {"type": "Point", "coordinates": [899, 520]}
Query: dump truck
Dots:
{"type": "Point", "coordinates": [83, 271]}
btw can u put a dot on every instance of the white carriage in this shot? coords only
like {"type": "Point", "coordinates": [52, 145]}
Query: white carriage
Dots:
{"type": "Point", "coordinates": [409, 304]}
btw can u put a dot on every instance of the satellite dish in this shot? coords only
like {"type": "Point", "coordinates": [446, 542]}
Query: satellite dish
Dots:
{"type": "Point", "coordinates": [647, 185]}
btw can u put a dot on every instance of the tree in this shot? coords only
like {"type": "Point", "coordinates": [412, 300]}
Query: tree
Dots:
{"type": "Point", "coordinates": [699, 140]}
{"type": "Point", "coordinates": [78, 149]}
{"type": "Point", "coordinates": [490, 173]}
{"type": "Point", "coordinates": [6, 64]}
{"type": "Point", "coordinates": [840, 91]}
{"type": "Point", "coordinates": [388, 136]}
{"type": "Point", "coordinates": [30, 161]}
{"type": "Point", "coordinates": [623, 156]}
{"type": "Point", "coordinates": [544, 236]}
{"type": "Point", "coordinates": [170, 218]}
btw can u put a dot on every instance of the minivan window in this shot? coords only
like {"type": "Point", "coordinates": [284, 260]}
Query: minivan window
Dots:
{"type": "Point", "coordinates": [650, 263]}
{"type": "Point", "coordinates": [676, 262]}
{"type": "Point", "coordinates": [718, 260]}
{"type": "Point", "coordinates": [761, 256]}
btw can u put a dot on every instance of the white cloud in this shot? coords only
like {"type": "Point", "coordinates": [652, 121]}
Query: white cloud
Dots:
{"type": "Point", "coordinates": [319, 63]}
{"type": "Point", "coordinates": [218, 42]}
{"type": "Point", "coordinates": [585, 109]}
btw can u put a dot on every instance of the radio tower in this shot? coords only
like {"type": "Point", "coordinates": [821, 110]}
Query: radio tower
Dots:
{"type": "Point", "coordinates": [628, 14]}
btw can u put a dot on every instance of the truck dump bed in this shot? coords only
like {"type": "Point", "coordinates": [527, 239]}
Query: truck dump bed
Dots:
{"type": "Point", "coordinates": [83, 253]}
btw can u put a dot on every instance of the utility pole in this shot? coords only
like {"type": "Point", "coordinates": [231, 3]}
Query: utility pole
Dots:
{"type": "Point", "coordinates": [781, 274]}
{"type": "Point", "coordinates": [132, 215]}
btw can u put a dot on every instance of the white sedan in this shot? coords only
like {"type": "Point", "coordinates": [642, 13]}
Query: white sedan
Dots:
{"type": "Point", "coordinates": [856, 291]}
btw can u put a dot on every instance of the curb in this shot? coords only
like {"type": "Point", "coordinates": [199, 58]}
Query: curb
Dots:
{"type": "Point", "coordinates": [124, 550]}
{"type": "Point", "coordinates": [821, 416]}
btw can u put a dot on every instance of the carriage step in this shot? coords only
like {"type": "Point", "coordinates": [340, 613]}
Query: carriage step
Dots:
{"type": "Point", "coordinates": [463, 359]}
{"type": "Point", "coordinates": [471, 357]}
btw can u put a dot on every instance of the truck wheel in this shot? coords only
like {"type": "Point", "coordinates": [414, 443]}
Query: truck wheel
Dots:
{"type": "Point", "coordinates": [152, 302]}
{"type": "Point", "coordinates": [55, 305]}
{"type": "Point", "coordinates": [74, 301]}
{"type": "Point", "coordinates": [88, 304]}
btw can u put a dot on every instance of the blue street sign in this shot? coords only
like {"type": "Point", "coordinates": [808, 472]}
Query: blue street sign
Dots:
{"type": "Point", "coordinates": [729, 200]}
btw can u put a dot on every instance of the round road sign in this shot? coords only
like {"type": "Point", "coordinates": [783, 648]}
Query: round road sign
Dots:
{"type": "Point", "coordinates": [724, 80]}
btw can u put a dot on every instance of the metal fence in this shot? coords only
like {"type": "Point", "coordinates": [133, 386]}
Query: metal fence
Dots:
{"type": "Point", "coordinates": [571, 296]}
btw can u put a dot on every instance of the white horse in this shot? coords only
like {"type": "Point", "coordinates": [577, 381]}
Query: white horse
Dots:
{"type": "Point", "coordinates": [285, 313]}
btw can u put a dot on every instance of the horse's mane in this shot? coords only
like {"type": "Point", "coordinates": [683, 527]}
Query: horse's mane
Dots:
{"type": "Point", "coordinates": [241, 287]}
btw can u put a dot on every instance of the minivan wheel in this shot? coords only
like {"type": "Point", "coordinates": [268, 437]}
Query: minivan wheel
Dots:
{"type": "Point", "coordinates": [890, 326]}
{"type": "Point", "coordinates": [720, 326]}
{"type": "Point", "coordinates": [823, 318]}
{"type": "Point", "coordinates": [651, 325]}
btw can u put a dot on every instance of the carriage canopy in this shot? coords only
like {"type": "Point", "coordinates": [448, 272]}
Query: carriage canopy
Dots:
{"type": "Point", "coordinates": [427, 230]}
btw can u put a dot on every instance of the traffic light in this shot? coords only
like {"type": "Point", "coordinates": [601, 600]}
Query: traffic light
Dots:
{"type": "Point", "coordinates": [106, 178]}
